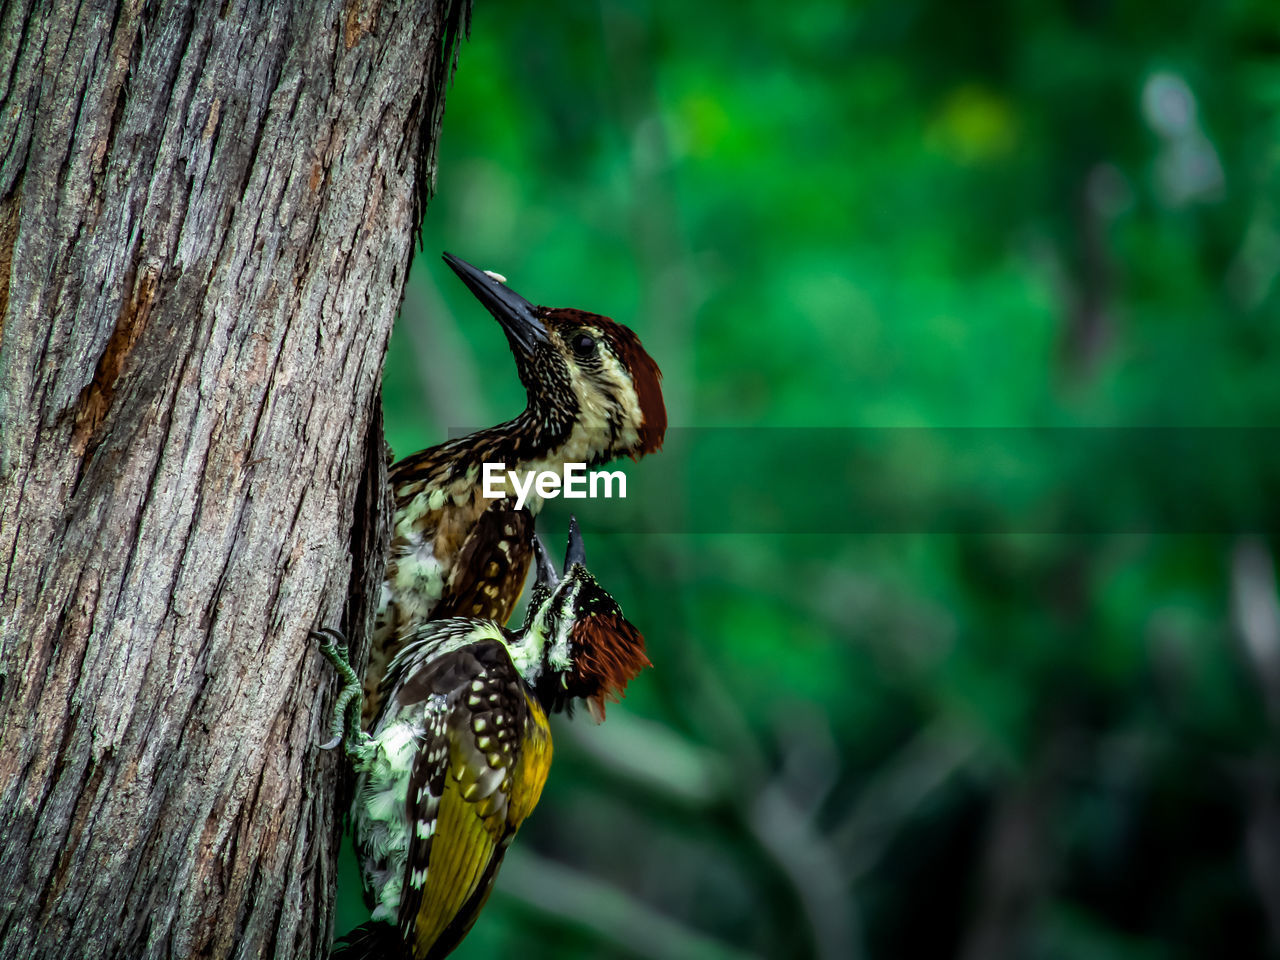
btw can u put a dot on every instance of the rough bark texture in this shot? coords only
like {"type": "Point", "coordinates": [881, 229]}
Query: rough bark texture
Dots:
{"type": "Point", "coordinates": [206, 212]}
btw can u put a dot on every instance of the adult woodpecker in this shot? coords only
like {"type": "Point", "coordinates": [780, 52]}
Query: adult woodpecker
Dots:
{"type": "Point", "coordinates": [460, 751]}
{"type": "Point", "coordinates": [594, 394]}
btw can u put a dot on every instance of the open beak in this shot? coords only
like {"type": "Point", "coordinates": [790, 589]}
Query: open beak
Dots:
{"type": "Point", "coordinates": [519, 317]}
{"type": "Point", "coordinates": [545, 571]}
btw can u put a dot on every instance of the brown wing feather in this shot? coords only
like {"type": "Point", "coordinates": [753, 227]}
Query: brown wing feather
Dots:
{"type": "Point", "coordinates": [490, 569]}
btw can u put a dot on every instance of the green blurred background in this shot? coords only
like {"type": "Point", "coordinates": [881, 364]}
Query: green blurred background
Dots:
{"type": "Point", "coordinates": [894, 215]}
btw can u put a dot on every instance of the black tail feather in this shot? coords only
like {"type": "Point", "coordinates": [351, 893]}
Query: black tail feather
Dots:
{"type": "Point", "coordinates": [374, 940]}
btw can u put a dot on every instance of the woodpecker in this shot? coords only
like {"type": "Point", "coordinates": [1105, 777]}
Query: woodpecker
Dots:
{"type": "Point", "coordinates": [460, 750]}
{"type": "Point", "coordinates": [594, 394]}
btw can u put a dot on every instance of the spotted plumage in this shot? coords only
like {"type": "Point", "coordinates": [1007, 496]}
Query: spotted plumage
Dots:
{"type": "Point", "coordinates": [459, 753]}
{"type": "Point", "coordinates": [594, 394]}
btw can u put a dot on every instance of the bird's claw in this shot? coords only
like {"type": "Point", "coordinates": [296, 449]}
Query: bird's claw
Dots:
{"type": "Point", "coordinates": [333, 646]}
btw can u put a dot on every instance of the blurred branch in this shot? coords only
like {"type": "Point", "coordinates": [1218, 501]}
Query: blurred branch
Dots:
{"type": "Point", "coordinates": [781, 802]}
{"type": "Point", "coordinates": [1018, 857]}
{"type": "Point", "coordinates": [1257, 617]}
{"type": "Point", "coordinates": [784, 831]}
{"type": "Point", "coordinates": [656, 759]}
{"type": "Point", "coordinates": [1262, 843]}
{"type": "Point", "coordinates": [790, 836]}
{"type": "Point", "coordinates": [583, 901]}
{"type": "Point", "coordinates": [903, 785]}
{"type": "Point", "coordinates": [1090, 326]}
{"type": "Point", "coordinates": [651, 757]}
{"type": "Point", "coordinates": [810, 756]}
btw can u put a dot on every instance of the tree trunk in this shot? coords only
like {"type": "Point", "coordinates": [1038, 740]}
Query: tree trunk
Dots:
{"type": "Point", "coordinates": [206, 217]}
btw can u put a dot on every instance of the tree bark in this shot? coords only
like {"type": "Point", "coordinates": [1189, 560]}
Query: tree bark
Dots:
{"type": "Point", "coordinates": [206, 217]}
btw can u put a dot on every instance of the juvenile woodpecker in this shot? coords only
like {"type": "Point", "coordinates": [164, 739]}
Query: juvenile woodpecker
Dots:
{"type": "Point", "coordinates": [460, 751]}
{"type": "Point", "coordinates": [594, 394]}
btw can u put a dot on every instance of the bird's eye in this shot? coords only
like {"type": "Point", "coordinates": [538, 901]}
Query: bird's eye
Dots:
{"type": "Point", "coordinates": [584, 346]}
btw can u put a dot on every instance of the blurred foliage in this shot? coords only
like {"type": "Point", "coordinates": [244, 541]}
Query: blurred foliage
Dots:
{"type": "Point", "coordinates": [886, 215]}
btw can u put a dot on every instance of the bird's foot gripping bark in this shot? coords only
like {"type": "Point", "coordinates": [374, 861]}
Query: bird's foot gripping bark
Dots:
{"type": "Point", "coordinates": [346, 709]}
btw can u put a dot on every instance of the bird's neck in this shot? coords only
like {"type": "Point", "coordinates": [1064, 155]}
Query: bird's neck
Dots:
{"type": "Point", "coordinates": [542, 437]}
{"type": "Point", "coordinates": [528, 438]}
{"type": "Point", "coordinates": [528, 650]}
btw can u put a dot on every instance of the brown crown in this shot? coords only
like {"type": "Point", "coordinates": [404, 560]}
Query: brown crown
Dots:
{"type": "Point", "coordinates": [609, 653]}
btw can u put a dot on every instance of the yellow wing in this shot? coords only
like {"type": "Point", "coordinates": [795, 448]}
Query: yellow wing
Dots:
{"type": "Point", "coordinates": [499, 754]}
{"type": "Point", "coordinates": [532, 769]}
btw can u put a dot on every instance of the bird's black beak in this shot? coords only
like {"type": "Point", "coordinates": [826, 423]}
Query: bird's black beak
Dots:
{"type": "Point", "coordinates": [519, 317]}
{"type": "Point", "coordinates": [545, 573]}
{"type": "Point", "coordinates": [577, 551]}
